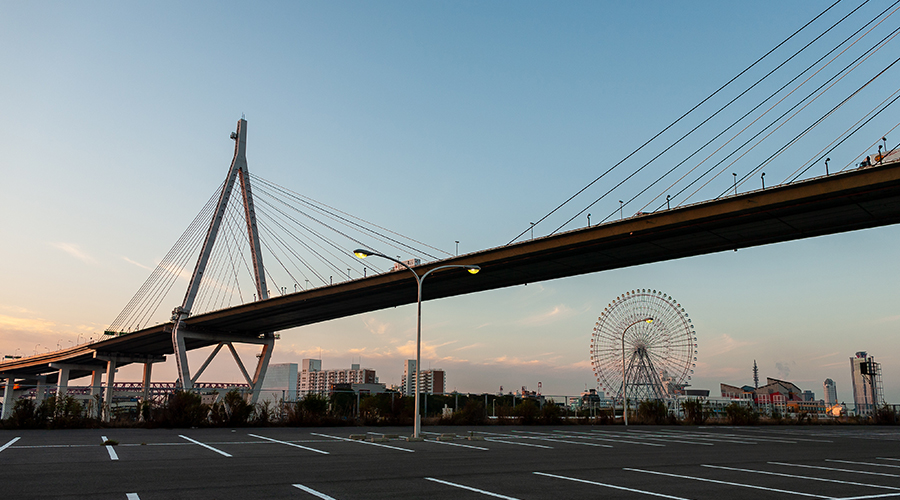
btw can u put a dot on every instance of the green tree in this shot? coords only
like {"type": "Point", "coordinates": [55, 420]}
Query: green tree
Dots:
{"type": "Point", "coordinates": [652, 411]}
{"type": "Point", "coordinates": [739, 414]}
{"type": "Point", "coordinates": [695, 412]}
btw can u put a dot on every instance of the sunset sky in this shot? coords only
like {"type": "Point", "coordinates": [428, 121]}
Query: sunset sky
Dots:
{"type": "Point", "coordinates": [445, 121]}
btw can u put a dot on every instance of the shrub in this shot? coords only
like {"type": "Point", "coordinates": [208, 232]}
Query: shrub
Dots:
{"type": "Point", "coordinates": [739, 414]}
{"type": "Point", "coordinates": [695, 412]}
{"type": "Point", "coordinates": [652, 411]}
{"type": "Point", "coordinates": [181, 409]}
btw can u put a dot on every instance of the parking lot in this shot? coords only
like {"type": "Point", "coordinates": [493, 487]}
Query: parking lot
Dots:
{"type": "Point", "coordinates": [844, 462]}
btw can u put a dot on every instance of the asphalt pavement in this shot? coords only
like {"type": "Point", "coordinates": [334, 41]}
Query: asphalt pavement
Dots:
{"type": "Point", "coordinates": [524, 462]}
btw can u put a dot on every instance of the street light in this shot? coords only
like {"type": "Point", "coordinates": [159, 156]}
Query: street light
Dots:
{"type": "Point", "coordinates": [624, 385]}
{"type": "Point", "coordinates": [362, 254]}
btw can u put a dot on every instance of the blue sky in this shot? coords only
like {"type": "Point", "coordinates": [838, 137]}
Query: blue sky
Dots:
{"type": "Point", "coordinates": [444, 121]}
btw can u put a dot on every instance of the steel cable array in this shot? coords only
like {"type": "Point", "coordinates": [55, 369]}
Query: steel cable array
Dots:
{"type": "Point", "coordinates": [304, 244]}
{"type": "Point", "coordinates": [829, 126]}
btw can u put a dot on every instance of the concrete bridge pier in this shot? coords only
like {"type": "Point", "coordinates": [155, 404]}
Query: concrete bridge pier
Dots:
{"type": "Point", "coordinates": [113, 360]}
{"type": "Point", "coordinates": [8, 398]}
{"type": "Point", "coordinates": [40, 391]}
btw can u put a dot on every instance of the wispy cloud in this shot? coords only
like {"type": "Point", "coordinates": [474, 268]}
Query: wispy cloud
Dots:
{"type": "Point", "coordinates": [26, 324]}
{"type": "Point", "coordinates": [724, 343]}
{"type": "Point", "coordinates": [73, 250]}
{"type": "Point", "coordinates": [376, 327]}
{"type": "Point", "coordinates": [470, 346]}
{"type": "Point", "coordinates": [824, 356]}
{"type": "Point", "coordinates": [126, 259]}
{"type": "Point", "coordinates": [887, 319]}
{"type": "Point", "coordinates": [556, 313]}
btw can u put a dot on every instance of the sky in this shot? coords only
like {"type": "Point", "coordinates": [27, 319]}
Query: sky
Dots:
{"type": "Point", "coordinates": [445, 121]}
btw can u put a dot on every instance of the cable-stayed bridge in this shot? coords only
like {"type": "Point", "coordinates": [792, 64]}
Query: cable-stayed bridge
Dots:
{"type": "Point", "coordinates": [851, 200]}
{"type": "Point", "coordinates": [229, 300]}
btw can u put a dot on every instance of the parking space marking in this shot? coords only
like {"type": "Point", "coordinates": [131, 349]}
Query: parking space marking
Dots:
{"type": "Point", "coordinates": [313, 492]}
{"type": "Point", "coordinates": [554, 440]}
{"type": "Point", "coordinates": [768, 473]}
{"type": "Point", "coordinates": [728, 438]}
{"type": "Point", "coordinates": [112, 453]}
{"type": "Point", "coordinates": [863, 463]}
{"type": "Point", "coordinates": [220, 452]}
{"type": "Point", "coordinates": [364, 442]}
{"type": "Point", "coordinates": [866, 497]}
{"type": "Point", "coordinates": [614, 437]}
{"type": "Point", "coordinates": [289, 444]}
{"type": "Point", "coordinates": [729, 483]}
{"type": "Point", "coordinates": [476, 490]}
{"type": "Point", "coordinates": [132, 496]}
{"type": "Point", "coordinates": [494, 440]}
{"type": "Point", "coordinates": [520, 436]}
{"type": "Point", "coordinates": [886, 458]}
{"type": "Point", "coordinates": [586, 435]}
{"type": "Point", "coordinates": [457, 444]}
{"type": "Point", "coordinates": [10, 443]}
{"type": "Point", "coordinates": [852, 471]}
{"type": "Point", "coordinates": [755, 431]}
{"type": "Point", "coordinates": [610, 486]}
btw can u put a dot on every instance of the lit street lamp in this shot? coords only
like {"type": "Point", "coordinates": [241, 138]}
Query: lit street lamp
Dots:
{"type": "Point", "coordinates": [362, 254]}
{"type": "Point", "coordinates": [624, 385]}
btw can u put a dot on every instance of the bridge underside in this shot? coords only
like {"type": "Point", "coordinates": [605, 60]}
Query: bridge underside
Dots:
{"type": "Point", "coordinates": [837, 203]}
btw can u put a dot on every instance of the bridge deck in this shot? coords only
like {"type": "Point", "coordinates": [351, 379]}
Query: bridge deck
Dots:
{"type": "Point", "coordinates": [846, 201]}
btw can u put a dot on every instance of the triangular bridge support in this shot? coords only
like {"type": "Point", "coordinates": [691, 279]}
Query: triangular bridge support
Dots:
{"type": "Point", "coordinates": [237, 172]}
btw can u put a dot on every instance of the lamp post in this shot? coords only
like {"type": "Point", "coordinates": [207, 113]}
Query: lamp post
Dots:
{"type": "Point", "coordinates": [362, 254]}
{"type": "Point", "coordinates": [624, 385]}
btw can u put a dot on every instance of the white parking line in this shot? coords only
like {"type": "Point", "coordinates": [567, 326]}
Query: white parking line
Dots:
{"type": "Point", "coordinates": [109, 448]}
{"type": "Point", "coordinates": [768, 473]}
{"type": "Point", "coordinates": [723, 438]}
{"type": "Point", "coordinates": [457, 444]}
{"type": "Point", "coordinates": [313, 492]}
{"type": "Point", "coordinates": [886, 458]}
{"type": "Point", "coordinates": [364, 442]}
{"type": "Point", "coordinates": [852, 471]}
{"type": "Point", "coordinates": [792, 436]}
{"type": "Point", "coordinates": [863, 463]}
{"type": "Point", "coordinates": [289, 444]}
{"type": "Point", "coordinates": [866, 497]}
{"type": "Point", "coordinates": [493, 440]}
{"type": "Point", "coordinates": [10, 443]}
{"type": "Point", "coordinates": [651, 436]}
{"type": "Point", "coordinates": [132, 496]}
{"type": "Point", "coordinates": [610, 486]}
{"type": "Point", "coordinates": [560, 441]}
{"type": "Point", "coordinates": [476, 490]}
{"type": "Point", "coordinates": [220, 452]}
{"type": "Point", "coordinates": [726, 482]}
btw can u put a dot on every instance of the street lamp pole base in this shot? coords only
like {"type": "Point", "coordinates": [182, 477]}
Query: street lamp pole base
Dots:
{"type": "Point", "coordinates": [414, 438]}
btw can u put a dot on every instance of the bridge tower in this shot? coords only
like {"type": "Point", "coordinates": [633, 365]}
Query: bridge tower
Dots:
{"type": "Point", "coordinates": [238, 172]}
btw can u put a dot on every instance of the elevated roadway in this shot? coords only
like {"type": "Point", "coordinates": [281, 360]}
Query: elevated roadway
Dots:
{"type": "Point", "coordinates": [840, 202]}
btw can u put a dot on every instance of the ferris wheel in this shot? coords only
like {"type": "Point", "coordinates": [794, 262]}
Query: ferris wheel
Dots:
{"type": "Point", "coordinates": [651, 335]}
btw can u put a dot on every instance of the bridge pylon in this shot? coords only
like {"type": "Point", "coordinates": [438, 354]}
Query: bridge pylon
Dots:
{"type": "Point", "coordinates": [237, 174]}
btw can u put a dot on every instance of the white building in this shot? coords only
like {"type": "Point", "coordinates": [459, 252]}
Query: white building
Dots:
{"type": "Point", "coordinates": [280, 383]}
{"type": "Point", "coordinates": [432, 381]}
{"type": "Point", "coordinates": [830, 392]}
{"type": "Point", "coordinates": [865, 375]}
{"type": "Point", "coordinates": [313, 379]}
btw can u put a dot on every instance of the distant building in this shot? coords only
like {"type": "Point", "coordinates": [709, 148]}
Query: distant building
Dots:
{"type": "Point", "coordinates": [809, 396]}
{"type": "Point", "coordinates": [865, 375]}
{"type": "Point", "coordinates": [280, 382]}
{"type": "Point", "coordinates": [433, 381]}
{"type": "Point", "coordinates": [410, 263]}
{"type": "Point", "coordinates": [777, 396]}
{"type": "Point", "coordinates": [830, 392]}
{"type": "Point", "coordinates": [307, 366]}
{"type": "Point", "coordinates": [313, 379]}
